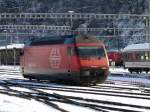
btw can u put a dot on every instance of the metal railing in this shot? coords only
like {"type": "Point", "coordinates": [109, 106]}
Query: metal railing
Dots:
{"type": "Point", "coordinates": [70, 16]}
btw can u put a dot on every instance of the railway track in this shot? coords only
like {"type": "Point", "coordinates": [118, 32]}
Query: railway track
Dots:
{"type": "Point", "coordinates": [134, 80]}
{"type": "Point", "coordinates": [70, 90]}
{"type": "Point", "coordinates": [128, 75]}
{"type": "Point", "coordinates": [90, 90]}
{"type": "Point", "coordinates": [128, 83]}
{"type": "Point", "coordinates": [29, 96]}
{"type": "Point", "coordinates": [41, 96]}
{"type": "Point", "coordinates": [40, 92]}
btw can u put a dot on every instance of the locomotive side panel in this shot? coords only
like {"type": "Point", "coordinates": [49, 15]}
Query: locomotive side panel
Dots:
{"type": "Point", "coordinates": [46, 60]}
{"type": "Point", "coordinates": [82, 60]}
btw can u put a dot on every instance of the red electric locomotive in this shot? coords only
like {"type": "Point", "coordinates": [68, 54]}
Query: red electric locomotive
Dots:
{"type": "Point", "coordinates": [116, 57]}
{"type": "Point", "coordinates": [78, 58]}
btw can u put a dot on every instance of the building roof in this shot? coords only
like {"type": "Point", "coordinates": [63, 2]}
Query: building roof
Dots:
{"type": "Point", "coordinates": [137, 47]}
{"type": "Point", "coordinates": [12, 46]}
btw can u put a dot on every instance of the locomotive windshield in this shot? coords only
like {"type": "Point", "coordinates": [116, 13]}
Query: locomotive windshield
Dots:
{"type": "Point", "coordinates": [91, 51]}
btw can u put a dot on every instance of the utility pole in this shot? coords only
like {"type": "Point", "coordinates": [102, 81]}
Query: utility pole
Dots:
{"type": "Point", "coordinates": [11, 37]}
{"type": "Point", "coordinates": [14, 53]}
{"type": "Point", "coordinates": [71, 20]}
{"type": "Point", "coordinates": [6, 47]}
{"type": "Point", "coordinates": [148, 23]}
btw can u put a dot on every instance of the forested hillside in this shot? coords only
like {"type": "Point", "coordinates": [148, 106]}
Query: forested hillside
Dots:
{"type": "Point", "coordinates": [82, 6]}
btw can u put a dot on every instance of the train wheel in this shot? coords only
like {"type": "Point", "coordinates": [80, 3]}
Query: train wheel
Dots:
{"type": "Point", "coordinates": [130, 70]}
{"type": "Point", "coordinates": [25, 76]}
{"type": "Point", "coordinates": [94, 78]}
{"type": "Point", "coordinates": [137, 71]}
{"type": "Point", "coordinates": [101, 79]}
{"type": "Point", "coordinates": [30, 78]}
{"type": "Point", "coordinates": [140, 71]}
{"type": "Point", "coordinates": [146, 71]}
{"type": "Point", "coordinates": [85, 81]}
{"type": "Point", "coordinates": [38, 80]}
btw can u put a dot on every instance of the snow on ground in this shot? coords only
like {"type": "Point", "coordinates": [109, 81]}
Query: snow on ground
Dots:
{"type": "Point", "coordinates": [10, 67]}
{"type": "Point", "coordinates": [143, 81]}
{"type": "Point", "coordinates": [118, 70]}
{"type": "Point", "coordinates": [73, 108]}
{"type": "Point", "coordinates": [121, 70]}
{"type": "Point", "coordinates": [105, 98]}
{"type": "Point", "coordinates": [125, 100]}
{"type": "Point", "coordinates": [142, 78]}
{"type": "Point", "coordinates": [15, 104]}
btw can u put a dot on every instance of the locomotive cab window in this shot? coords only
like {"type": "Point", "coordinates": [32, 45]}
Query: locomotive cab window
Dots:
{"type": "Point", "coordinates": [91, 51]}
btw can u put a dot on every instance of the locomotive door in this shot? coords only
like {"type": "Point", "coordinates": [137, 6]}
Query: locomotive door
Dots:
{"type": "Point", "coordinates": [72, 58]}
{"type": "Point", "coordinates": [73, 61]}
{"type": "Point", "coordinates": [69, 58]}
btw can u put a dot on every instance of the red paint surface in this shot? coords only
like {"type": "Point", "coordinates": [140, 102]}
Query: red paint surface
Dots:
{"type": "Point", "coordinates": [55, 57]}
{"type": "Point", "coordinates": [115, 56]}
{"type": "Point", "coordinates": [49, 57]}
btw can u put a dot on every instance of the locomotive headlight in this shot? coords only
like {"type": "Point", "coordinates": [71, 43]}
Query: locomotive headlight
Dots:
{"type": "Point", "coordinates": [104, 68]}
{"type": "Point", "coordinates": [94, 66]}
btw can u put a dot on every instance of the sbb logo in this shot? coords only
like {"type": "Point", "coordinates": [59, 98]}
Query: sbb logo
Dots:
{"type": "Point", "coordinates": [55, 58]}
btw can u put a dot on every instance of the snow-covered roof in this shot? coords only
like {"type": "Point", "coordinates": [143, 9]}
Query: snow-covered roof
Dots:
{"type": "Point", "coordinates": [113, 50]}
{"type": "Point", "coordinates": [137, 47]}
{"type": "Point", "coordinates": [12, 46]}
